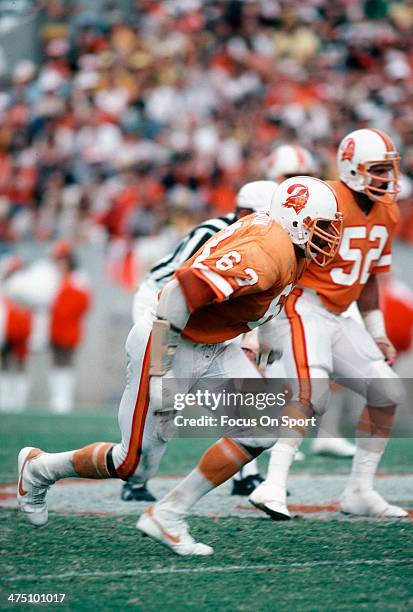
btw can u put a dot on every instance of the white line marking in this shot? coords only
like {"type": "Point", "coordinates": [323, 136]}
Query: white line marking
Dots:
{"type": "Point", "coordinates": [207, 570]}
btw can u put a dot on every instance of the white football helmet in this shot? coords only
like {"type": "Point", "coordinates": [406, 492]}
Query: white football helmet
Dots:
{"type": "Point", "coordinates": [289, 160]}
{"type": "Point", "coordinates": [307, 209]}
{"type": "Point", "coordinates": [256, 196]}
{"type": "Point", "coordinates": [359, 153]}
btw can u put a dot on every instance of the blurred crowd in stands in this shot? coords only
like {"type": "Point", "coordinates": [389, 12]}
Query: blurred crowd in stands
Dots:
{"type": "Point", "coordinates": [133, 121]}
{"type": "Point", "coordinates": [143, 117]}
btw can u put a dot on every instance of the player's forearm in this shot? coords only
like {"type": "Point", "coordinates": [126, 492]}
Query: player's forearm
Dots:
{"type": "Point", "coordinates": [267, 335]}
{"type": "Point", "coordinates": [369, 297]}
{"type": "Point", "coordinates": [172, 316]}
{"type": "Point", "coordinates": [369, 306]}
{"type": "Point", "coordinates": [374, 319]}
{"type": "Point", "coordinates": [172, 306]}
{"type": "Point", "coordinates": [267, 340]}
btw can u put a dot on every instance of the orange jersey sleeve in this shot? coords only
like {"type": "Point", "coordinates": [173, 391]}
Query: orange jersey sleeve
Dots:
{"type": "Point", "coordinates": [238, 260]}
{"type": "Point", "coordinates": [365, 249]}
{"type": "Point", "coordinates": [246, 269]}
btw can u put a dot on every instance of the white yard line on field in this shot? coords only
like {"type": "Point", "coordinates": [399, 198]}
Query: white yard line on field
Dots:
{"type": "Point", "coordinates": [212, 569]}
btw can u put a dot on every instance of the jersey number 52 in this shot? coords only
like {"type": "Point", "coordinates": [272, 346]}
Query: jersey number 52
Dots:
{"type": "Point", "coordinates": [362, 258]}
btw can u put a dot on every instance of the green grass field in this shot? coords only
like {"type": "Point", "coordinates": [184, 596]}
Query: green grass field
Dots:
{"type": "Point", "coordinates": [103, 563]}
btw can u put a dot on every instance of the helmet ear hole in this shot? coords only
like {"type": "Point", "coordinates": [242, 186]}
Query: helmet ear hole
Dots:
{"type": "Point", "coordinates": [295, 224]}
{"type": "Point", "coordinates": [353, 172]}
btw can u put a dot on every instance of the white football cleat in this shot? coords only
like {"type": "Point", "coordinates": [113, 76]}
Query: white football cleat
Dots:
{"type": "Point", "coordinates": [340, 447]}
{"type": "Point", "coordinates": [170, 529]}
{"type": "Point", "coordinates": [368, 503]}
{"type": "Point", "coordinates": [272, 501]}
{"type": "Point", "coordinates": [31, 495]}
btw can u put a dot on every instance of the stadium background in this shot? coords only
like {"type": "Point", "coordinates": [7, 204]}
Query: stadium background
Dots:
{"type": "Point", "coordinates": [122, 124]}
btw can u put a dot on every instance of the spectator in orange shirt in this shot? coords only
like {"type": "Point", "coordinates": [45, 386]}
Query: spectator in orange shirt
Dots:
{"type": "Point", "coordinates": [68, 309]}
{"type": "Point", "coordinates": [15, 330]}
{"type": "Point", "coordinates": [397, 304]}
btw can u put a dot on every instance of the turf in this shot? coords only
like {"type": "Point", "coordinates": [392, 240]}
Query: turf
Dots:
{"type": "Point", "coordinates": [55, 434]}
{"type": "Point", "coordinates": [102, 545]}
{"type": "Point", "coordinates": [103, 563]}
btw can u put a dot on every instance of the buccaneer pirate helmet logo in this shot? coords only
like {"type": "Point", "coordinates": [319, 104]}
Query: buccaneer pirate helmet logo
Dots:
{"type": "Point", "coordinates": [298, 198]}
{"type": "Point", "coordinates": [347, 151]}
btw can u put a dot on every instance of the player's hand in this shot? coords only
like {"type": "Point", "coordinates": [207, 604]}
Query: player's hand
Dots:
{"type": "Point", "coordinates": [251, 355]}
{"type": "Point", "coordinates": [267, 356]}
{"type": "Point", "coordinates": [387, 349]}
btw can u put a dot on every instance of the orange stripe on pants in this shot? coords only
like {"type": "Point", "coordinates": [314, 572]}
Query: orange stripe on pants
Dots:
{"type": "Point", "coordinates": [299, 347]}
{"type": "Point", "coordinates": [131, 460]}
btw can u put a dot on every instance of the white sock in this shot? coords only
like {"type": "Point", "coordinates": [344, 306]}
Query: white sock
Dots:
{"type": "Point", "coordinates": [369, 451]}
{"type": "Point", "coordinates": [21, 387]}
{"type": "Point", "coordinates": [49, 467]}
{"type": "Point", "coordinates": [186, 493]}
{"type": "Point", "coordinates": [13, 391]}
{"type": "Point", "coordinates": [6, 385]}
{"type": "Point", "coordinates": [281, 458]}
{"type": "Point", "coordinates": [62, 387]}
{"type": "Point", "coordinates": [249, 469]}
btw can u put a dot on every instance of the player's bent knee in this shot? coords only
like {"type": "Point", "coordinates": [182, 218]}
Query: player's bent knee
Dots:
{"type": "Point", "coordinates": [320, 390]}
{"type": "Point", "coordinates": [383, 392]}
{"type": "Point", "coordinates": [313, 393]}
{"type": "Point", "coordinates": [320, 404]}
{"type": "Point", "coordinates": [142, 464]}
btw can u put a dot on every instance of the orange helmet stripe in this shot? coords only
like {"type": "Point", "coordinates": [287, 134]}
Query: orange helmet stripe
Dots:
{"type": "Point", "coordinates": [387, 141]}
{"type": "Point", "coordinates": [300, 155]}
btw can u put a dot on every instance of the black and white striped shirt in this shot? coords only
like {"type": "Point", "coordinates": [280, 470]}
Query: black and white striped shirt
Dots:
{"type": "Point", "coordinates": [164, 269]}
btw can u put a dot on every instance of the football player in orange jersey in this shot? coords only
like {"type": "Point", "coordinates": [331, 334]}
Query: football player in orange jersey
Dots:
{"type": "Point", "coordinates": [252, 197]}
{"type": "Point", "coordinates": [237, 281]}
{"type": "Point", "coordinates": [317, 342]}
{"type": "Point", "coordinates": [284, 161]}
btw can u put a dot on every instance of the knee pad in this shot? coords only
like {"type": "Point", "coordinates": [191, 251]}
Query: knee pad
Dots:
{"type": "Point", "coordinates": [382, 392]}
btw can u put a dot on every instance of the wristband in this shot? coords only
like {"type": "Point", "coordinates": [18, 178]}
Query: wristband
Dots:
{"type": "Point", "coordinates": [374, 322]}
